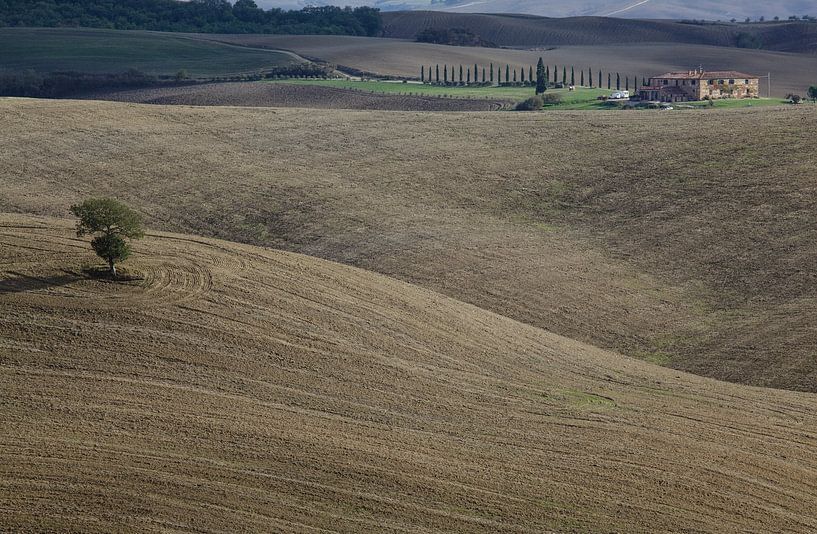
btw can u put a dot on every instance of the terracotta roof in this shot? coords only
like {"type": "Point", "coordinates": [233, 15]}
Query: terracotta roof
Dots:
{"type": "Point", "coordinates": [705, 75]}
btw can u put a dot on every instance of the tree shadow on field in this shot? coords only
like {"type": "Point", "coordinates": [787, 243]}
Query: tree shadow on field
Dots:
{"type": "Point", "coordinates": [103, 274]}
{"type": "Point", "coordinates": [20, 283]}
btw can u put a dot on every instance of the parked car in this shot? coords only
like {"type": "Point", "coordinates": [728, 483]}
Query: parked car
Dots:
{"type": "Point", "coordinates": [619, 95]}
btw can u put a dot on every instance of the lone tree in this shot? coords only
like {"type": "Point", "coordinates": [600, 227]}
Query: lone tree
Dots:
{"type": "Point", "coordinates": [812, 93]}
{"type": "Point", "coordinates": [111, 222]}
{"type": "Point", "coordinates": [541, 82]}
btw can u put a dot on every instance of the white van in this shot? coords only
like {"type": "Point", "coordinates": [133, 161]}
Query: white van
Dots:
{"type": "Point", "coordinates": [620, 95]}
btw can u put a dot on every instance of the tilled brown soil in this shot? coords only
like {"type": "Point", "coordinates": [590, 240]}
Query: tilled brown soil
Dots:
{"type": "Point", "coordinates": [260, 94]}
{"type": "Point", "coordinates": [231, 388]}
{"type": "Point", "coordinates": [686, 238]}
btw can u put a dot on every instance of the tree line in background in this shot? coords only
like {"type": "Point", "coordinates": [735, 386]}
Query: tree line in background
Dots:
{"type": "Point", "coordinates": [209, 16]}
{"type": "Point", "coordinates": [453, 37]}
{"type": "Point", "coordinates": [543, 78]}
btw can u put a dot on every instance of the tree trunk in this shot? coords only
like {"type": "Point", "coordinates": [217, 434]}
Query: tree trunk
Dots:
{"type": "Point", "coordinates": [113, 268]}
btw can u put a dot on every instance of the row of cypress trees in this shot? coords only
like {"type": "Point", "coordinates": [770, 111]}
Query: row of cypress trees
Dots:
{"type": "Point", "coordinates": [542, 79]}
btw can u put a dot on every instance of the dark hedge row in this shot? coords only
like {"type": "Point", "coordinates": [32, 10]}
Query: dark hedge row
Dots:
{"type": "Point", "coordinates": [209, 16]}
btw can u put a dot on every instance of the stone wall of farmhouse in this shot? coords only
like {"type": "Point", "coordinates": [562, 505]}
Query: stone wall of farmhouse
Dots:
{"type": "Point", "coordinates": [724, 89]}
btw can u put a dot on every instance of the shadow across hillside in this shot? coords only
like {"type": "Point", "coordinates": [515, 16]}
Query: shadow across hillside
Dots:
{"type": "Point", "coordinates": [20, 283]}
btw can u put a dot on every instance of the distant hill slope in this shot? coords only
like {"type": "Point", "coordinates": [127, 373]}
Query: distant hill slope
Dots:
{"type": "Point", "coordinates": [235, 388]}
{"type": "Point", "coordinates": [790, 72]}
{"type": "Point", "coordinates": [645, 9]}
{"type": "Point", "coordinates": [48, 50]}
{"type": "Point", "coordinates": [530, 31]}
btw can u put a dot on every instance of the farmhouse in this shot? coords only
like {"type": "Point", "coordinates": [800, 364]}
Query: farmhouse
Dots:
{"type": "Point", "coordinates": [700, 85]}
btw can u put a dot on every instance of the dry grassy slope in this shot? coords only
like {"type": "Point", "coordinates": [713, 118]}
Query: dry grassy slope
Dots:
{"type": "Point", "coordinates": [685, 238]}
{"type": "Point", "coordinates": [530, 31]}
{"type": "Point", "coordinates": [237, 388]}
{"type": "Point", "coordinates": [790, 72]}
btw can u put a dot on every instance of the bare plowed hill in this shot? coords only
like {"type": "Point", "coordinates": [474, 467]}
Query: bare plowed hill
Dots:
{"type": "Point", "coordinates": [531, 31]}
{"type": "Point", "coordinates": [261, 94]}
{"type": "Point", "coordinates": [685, 238]}
{"type": "Point", "coordinates": [226, 387]}
{"type": "Point", "coordinates": [790, 72]}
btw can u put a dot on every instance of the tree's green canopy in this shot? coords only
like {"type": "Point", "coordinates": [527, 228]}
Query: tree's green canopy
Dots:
{"type": "Point", "coordinates": [112, 222]}
{"type": "Point", "coordinates": [108, 216]}
{"type": "Point", "coordinates": [111, 247]}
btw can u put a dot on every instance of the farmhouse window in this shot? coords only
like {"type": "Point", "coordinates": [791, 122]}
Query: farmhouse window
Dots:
{"type": "Point", "coordinates": [731, 82]}
{"type": "Point", "coordinates": [746, 82]}
{"type": "Point", "coordinates": [693, 82]}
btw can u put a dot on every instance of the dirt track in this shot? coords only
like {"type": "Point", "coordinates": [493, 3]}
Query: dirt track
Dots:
{"type": "Point", "coordinates": [260, 94]}
{"type": "Point", "coordinates": [238, 388]}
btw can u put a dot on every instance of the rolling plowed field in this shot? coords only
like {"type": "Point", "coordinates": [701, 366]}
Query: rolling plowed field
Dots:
{"type": "Point", "coordinates": [225, 387]}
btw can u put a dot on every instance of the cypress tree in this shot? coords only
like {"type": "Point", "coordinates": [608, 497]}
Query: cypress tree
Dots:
{"type": "Point", "coordinates": [547, 75]}
{"type": "Point", "coordinates": [564, 75]}
{"type": "Point", "coordinates": [514, 75]}
{"type": "Point", "coordinates": [627, 83]}
{"type": "Point", "coordinates": [445, 73]}
{"type": "Point", "coordinates": [609, 80]}
{"type": "Point", "coordinates": [483, 74]}
{"type": "Point", "coordinates": [438, 73]}
{"type": "Point", "coordinates": [423, 73]}
{"type": "Point", "coordinates": [582, 80]}
{"type": "Point", "coordinates": [492, 73]}
{"type": "Point", "coordinates": [475, 73]}
{"type": "Point", "coordinates": [522, 74]}
{"type": "Point", "coordinates": [460, 73]}
{"type": "Point", "coordinates": [618, 82]}
{"type": "Point", "coordinates": [508, 73]}
{"type": "Point", "coordinates": [590, 76]}
{"type": "Point", "coordinates": [468, 79]}
{"type": "Point", "coordinates": [572, 75]}
{"type": "Point", "coordinates": [541, 82]}
{"type": "Point", "coordinates": [530, 73]}
{"type": "Point", "coordinates": [600, 81]}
